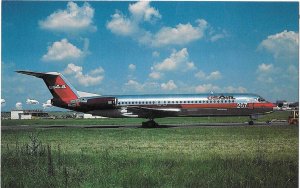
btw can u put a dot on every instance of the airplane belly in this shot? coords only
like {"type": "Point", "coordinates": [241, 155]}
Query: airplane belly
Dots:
{"type": "Point", "coordinates": [113, 113]}
{"type": "Point", "coordinates": [221, 112]}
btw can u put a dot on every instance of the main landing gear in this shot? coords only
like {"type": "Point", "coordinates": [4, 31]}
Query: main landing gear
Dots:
{"type": "Point", "coordinates": [251, 122]}
{"type": "Point", "coordinates": [150, 124]}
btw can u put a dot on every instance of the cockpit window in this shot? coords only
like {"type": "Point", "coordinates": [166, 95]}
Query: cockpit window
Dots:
{"type": "Point", "coordinates": [260, 99]}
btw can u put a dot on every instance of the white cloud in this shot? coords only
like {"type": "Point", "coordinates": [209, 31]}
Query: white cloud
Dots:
{"type": "Point", "coordinates": [142, 10]}
{"type": "Point", "coordinates": [129, 26]}
{"type": "Point", "coordinates": [217, 37]}
{"type": "Point", "coordinates": [121, 25]}
{"type": "Point", "coordinates": [74, 18]}
{"type": "Point", "coordinates": [231, 89]}
{"type": "Point", "coordinates": [205, 88]}
{"type": "Point", "coordinates": [200, 74]}
{"type": "Point", "coordinates": [170, 85]}
{"type": "Point", "coordinates": [265, 68]}
{"type": "Point", "coordinates": [62, 50]}
{"type": "Point", "coordinates": [180, 35]}
{"type": "Point", "coordinates": [19, 106]}
{"type": "Point", "coordinates": [93, 78]}
{"type": "Point", "coordinates": [284, 44]}
{"type": "Point", "coordinates": [212, 76]}
{"type": "Point", "coordinates": [155, 54]}
{"type": "Point", "coordinates": [133, 85]}
{"type": "Point", "coordinates": [155, 75]}
{"type": "Point", "coordinates": [177, 60]}
{"type": "Point", "coordinates": [132, 67]}
{"type": "Point", "coordinates": [265, 73]}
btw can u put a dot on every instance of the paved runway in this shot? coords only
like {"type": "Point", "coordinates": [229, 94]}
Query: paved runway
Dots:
{"type": "Point", "coordinates": [199, 125]}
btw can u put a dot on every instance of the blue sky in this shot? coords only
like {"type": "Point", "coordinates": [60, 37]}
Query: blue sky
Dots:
{"type": "Point", "coordinates": [151, 47]}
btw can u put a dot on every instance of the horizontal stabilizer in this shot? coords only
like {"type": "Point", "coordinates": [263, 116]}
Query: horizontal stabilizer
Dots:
{"type": "Point", "coordinates": [38, 74]}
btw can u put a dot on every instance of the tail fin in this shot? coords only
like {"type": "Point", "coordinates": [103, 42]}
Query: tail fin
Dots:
{"type": "Point", "coordinates": [58, 85]}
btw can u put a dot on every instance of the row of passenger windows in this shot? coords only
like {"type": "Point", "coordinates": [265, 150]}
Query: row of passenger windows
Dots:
{"type": "Point", "coordinates": [177, 102]}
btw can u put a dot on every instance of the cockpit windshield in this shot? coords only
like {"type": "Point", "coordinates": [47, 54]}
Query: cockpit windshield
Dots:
{"type": "Point", "coordinates": [260, 99]}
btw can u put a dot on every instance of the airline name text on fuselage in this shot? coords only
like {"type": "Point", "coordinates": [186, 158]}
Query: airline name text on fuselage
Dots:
{"type": "Point", "coordinates": [220, 97]}
{"type": "Point", "coordinates": [57, 87]}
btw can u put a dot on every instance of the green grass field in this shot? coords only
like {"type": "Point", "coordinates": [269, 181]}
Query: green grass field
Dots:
{"type": "Point", "coordinates": [243, 156]}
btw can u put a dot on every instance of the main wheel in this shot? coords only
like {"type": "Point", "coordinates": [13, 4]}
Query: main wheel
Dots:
{"type": "Point", "coordinates": [149, 124]}
{"type": "Point", "coordinates": [251, 122]}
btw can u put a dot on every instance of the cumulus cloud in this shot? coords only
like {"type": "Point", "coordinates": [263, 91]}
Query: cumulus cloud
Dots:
{"type": "Point", "coordinates": [284, 44]}
{"type": "Point", "coordinates": [94, 77]}
{"type": "Point", "coordinates": [155, 75]}
{"type": "Point", "coordinates": [132, 67]}
{"type": "Point", "coordinates": [141, 12]}
{"type": "Point", "coordinates": [265, 73]}
{"type": "Point", "coordinates": [155, 54]}
{"type": "Point", "coordinates": [121, 25]}
{"type": "Point", "coordinates": [19, 106]}
{"type": "Point", "coordinates": [179, 35]}
{"type": "Point", "coordinates": [129, 26]}
{"type": "Point", "coordinates": [177, 60]}
{"type": "Point", "coordinates": [265, 68]}
{"type": "Point", "coordinates": [206, 88]}
{"type": "Point", "coordinates": [215, 75]}
{"type": "Point", "coordinates": [231, 89]}
{"type": "Point", "coordinates": [133, 85]}
{"type": "Point", "coordinates": [74, 18]}
{"type": "Point", "coordinates": [170, 85]}
{"type": "Point", "coordinates": [62, 50]}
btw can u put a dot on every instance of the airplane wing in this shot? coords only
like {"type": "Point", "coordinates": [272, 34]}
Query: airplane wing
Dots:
{"type": "Point", "coordinates": [152, 113]}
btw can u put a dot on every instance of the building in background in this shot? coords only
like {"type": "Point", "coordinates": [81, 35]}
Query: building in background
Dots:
{"type": "Point", "coordinates": [28, 114]}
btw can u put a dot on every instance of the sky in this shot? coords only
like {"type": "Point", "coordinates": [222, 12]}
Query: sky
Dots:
{"type": "Point", "coordinates": [146, 47]}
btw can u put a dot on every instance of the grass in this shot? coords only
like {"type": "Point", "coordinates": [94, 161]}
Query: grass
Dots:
{"type": "Point", "coordinates": [254, 156]}
{"type": "Point", "coordinates": [281, 115]}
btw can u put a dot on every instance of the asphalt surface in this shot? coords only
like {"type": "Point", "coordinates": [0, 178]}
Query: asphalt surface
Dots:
{"type": "Point", "coordinates": [199, 125]}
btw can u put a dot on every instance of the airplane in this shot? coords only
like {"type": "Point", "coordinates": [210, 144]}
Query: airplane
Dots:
{"type": "Point", "coordinates": [152, 106]}
{"type": "Point", "coordinates": [32, 101]}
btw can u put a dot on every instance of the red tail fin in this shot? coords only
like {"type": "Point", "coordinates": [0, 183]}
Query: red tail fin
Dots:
{"type": "Point", "coordinates": [59, 87]}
